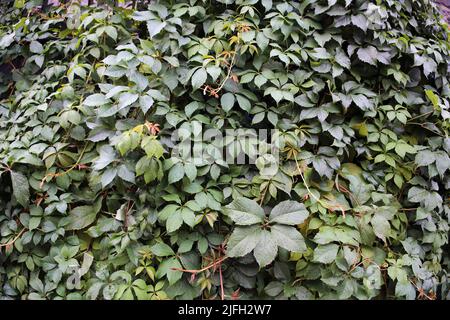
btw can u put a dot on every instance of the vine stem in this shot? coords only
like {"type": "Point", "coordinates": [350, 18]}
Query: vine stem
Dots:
{"type": "Point", "coordinates": [65, 172]}
{"type": "Point", "coordinates": [219, 261]}
{"type": "Point", "coordinates": [230, 67]}
{"type": "Point", "coordinates": [13, 240]}
{"type": "Point", "coordinates": [306, 185]}
{"type": "Point", "coordinates": [222, 293]}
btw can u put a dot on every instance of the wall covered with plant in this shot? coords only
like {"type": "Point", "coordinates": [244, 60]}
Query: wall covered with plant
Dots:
{"type": "Point", "coordinates": [95, 203]}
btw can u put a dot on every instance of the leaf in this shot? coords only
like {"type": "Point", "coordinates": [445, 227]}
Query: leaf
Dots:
{"type": "Point", "coordinates": [368, 55]}
{"type": "Point", "coordinates": [244, 212]}
{"type": "Point", "coordinates": [87, 263]}
{"type": "Point", "coordinates": [244, 103]}
{"type": "Point", "coordinates": [227, 101]}
{"type": "Point", "coordinates": [166, 268]}
{"type": "Point", "coordinates": [267, 4]}
{"type": "Point", "coordinates": [174, 221]}
{"type": "Point", "coordinates": [96, 100]}
{"type": "Point", "coordinates": [325, 235]}
{"type": "Point", "coordinates": [360, 21]}
{"type": "Point", "coordinates": [425, 158]}
{"type": "Point", "coordinates": [154, 27]}
{"type": "Point", "coordinates": [199, 78]}
{"type": "Point", "coordinates": [6, 40]}
{"type": "Point", "coordinates": [167, 211]}
{"type": "Point", "coordinates": [266, 250]}
{"type": "Point", "coordinates": [326, 253]}
{"type": "Point", "coordinates": [36, 47]}
{"type": "Point", "coordinates": [188, 217]}
{"type": "Point", "coordinates": [152, 147]}
{"type": "Point", "coordinates": [126, 99]}
{"type": "Point", "coordinates": [433, 97]}
{"type": "Point", "coordinates": [107, 155]}
{"type": "Point", "coordinates": [83, 216]}
{"type": "Point", "coordinates": [162, 250]}
{"type": "Point", "coordinates": [243, 240]}
{"type": "Point", "coordinates": [362, 102]}
{"type": "Point", "coordinates": [176, 173]}
{"type": "Point", "coordinates": [288, 238]}
{"type": "Point", "coordinates": [191, 171]}
{"type": "Point", "coordinates": [288, 212]}
{"type": "Point", "coordinates": [145, 102]}
{"type": "Point", "coordinates": [126, 174]}
{"type": "Point", "coordinates": [381, 226]}
{"type": "Point", "coordinates": [108, 176]}
{"type": "Point", "coordinates": [21, 188]}
{"type": "Point", "coordinates": [214, 72]}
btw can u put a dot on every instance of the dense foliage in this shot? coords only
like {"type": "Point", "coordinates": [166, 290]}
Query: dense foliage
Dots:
{"type": "Point", "coordinates": [94, 203]}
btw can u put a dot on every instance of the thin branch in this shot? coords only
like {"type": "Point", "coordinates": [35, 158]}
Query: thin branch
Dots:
{"type": "Point", "coordinates": [13, 240]}
{"type": "Point", "coordinates": [222, 293]}
{"type": "Point", "coordinates": [203, 269]}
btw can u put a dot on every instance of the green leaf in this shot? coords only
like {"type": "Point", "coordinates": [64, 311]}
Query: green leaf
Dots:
{"type": "Point", "coordinates": [214, 72]}
{"type": "Point", "coordinates": [21, 188]}
{"type": "Point", "coordinates": [267, 4]}
{"type": "Point", "coordinates": [199, 78]}
{"type": "Point", "coordinates": [128, 141]}
{"type": "Point", "coordinates": [244, 212]}
{"type": "Point", "coordinates": [368, 55]}
{"type": "Point", "coordinates": [36, 47]}
{"type": "Point", "coordinates": [176, 173]}
{"type": "Point", "coordinates": [95, 100]}
{"type": "Point", "coordinates": [152, 147]}
{"type": "Point", "coordinates": [188, 217]}
{"type": "Point", "coordinates": [166, 268]}
{"type": "Point", "coordinates": [325, 235]}
{"type": "Point", "coordinates": [433, 97]}
{"type": "Point", "coordinates": [288, 238]}
{"type": "Point", "coordinates": [425, 158]}
{"type": "Point", "coordinates": [266, 250]}
{"type": "Point", "coordinates": [145, 102]}
{"type": "Point", "coordinates": [107, 155]}
{"type": "Point", "coordinates": [108, 176]}
{"type": "Point", "coordinates": [243, 240]}
{"type": "Point", "coordinates": [155, 27]}
{"type": "Point", "coordinates": [244, 103]}
{"type": "Point", "coordinates": [126, 99]}
{"type": "Point", "coordinates": [289, 212]}
{"type": "Point", "coordinates": [126, 174]}
{"type": "Point", "coordinates": [227, 101]}
{"type": "Point", "coordinates": [174, 221]}
{"type": "Point", "coordinates": [191, 171]}
{"type": "Point", "coordinates": [34, 223]}
{"type": "Point", "coordinates": [326, 253]}
{"type": "Point", "coordinates": [83, 216]}
{"type": "Point", "coordinates": [381, 226]}
{"type": "Point", "coordinates": [162, 250]}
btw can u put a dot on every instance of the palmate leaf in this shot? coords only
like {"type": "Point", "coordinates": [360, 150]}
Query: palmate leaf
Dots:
{"type": "Point", "coordinates": [381, 226]}
{"type": "Point", "coordinates": [266, 250]}
{"type": "Point", "coordinates": [288, 238]}
{"type": "Point", "coordinates": [265, 243]}
{"type": "Point", "coordinates": [288, 212]}
{"type": "Point", "coordinates": [82, 216]}
{"type": "Point", "coordinates": [245, 212]}
{"type": "Point", "coordinates": [326, 253]}
{"type": "Point", "coordinates": [243, 240]}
